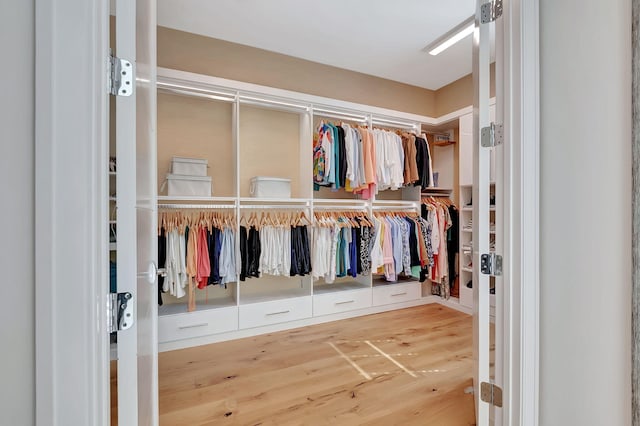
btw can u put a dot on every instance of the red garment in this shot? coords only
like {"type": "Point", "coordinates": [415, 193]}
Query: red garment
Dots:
{"type": "Point", "coordinates": [204, 267]}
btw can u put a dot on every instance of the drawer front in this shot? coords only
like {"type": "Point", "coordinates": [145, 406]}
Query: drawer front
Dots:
{"type": "Point", "coordinates": [396, 293]}
{"type": "Point", "coordinates": [197, 324]}
{"type": "Point", "coordinates": [342, 301]}
{"type": "Point", "coordinates": [273, 312]}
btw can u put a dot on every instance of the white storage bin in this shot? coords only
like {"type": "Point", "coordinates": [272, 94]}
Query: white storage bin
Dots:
{"type": "Point", "coordinates": [270, 187]}
{"type": "Point", "coordinates": [189, 166]}
{"type": "Point", "coordinates": [188, 186]}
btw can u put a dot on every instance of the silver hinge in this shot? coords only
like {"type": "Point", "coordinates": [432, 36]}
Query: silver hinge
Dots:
{"type": "Point", "coordinates": [491, 264]}
{"type": "Point", "coordinates": [491, 135]}
{"type": "Point", "coordinates": [490, 11]}
{"type": "Point", "coordinates": [120, 77]}
{"type": "Point", "coordinates": [120, 311]}
{"type": "Point", "coordinates": [491, 394]}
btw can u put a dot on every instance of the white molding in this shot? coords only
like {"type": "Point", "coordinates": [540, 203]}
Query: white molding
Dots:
{"type": "Point", "coordinates": [233, 87]}
{"type": "Point", "coordinates": [522, 176]}
{"type": "Point", "coordinates": [72, 350]}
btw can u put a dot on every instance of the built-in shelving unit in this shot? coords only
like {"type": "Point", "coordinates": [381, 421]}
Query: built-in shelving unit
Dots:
{"type": "Point", "coordinates": [244, 130]}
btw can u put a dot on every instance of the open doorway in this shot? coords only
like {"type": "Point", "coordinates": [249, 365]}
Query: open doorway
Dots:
{"type": "Point", "coordinates": [249, 111]}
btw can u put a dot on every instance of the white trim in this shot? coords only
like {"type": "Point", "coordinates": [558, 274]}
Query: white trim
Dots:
{"type": "Point", "coordinates": [455, 115]}
{"type": "Point", "coordinates": [72, 349]}
{"type": "Point", "coordinates": [522, 176]}
{"type": "Point", "coordinates": [186, 80]}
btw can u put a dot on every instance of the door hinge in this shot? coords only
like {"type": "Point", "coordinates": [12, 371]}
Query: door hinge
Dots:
{"type": "Point", "coordinates": [120, 311]}
{"type": "Point", "coordinates": [491, 394]}
{"type": "Point", "coordinates": [490, 11]}
{"type": "Point", "coordinates": [120, 77]}
{"type": "Point", "coordinates": [491, 264]}
{"type": "Point", "coordinates": [491, 135]}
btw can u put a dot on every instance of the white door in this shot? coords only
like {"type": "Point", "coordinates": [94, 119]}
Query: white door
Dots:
{"type": "Point", "coordinates": [136, 217]}
{"type": "Point", "coordinates": [485, 241]}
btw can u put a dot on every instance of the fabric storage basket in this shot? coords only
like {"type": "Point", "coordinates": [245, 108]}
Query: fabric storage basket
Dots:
{"type": "Point", "coordinates": [188, 186]}
{"type": "Point", "coordinates": [270, 187]}
{"type": "Point", "coordinates": [189, 166]}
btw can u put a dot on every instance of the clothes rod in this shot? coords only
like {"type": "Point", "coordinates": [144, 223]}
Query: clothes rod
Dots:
{"type": "Point", "coordinates": [339, 115]}
{"type": "Point", "coordinates": [394, 123]}
{"type": "Point", "coordinates": [273, 207]}
{"type": "Point", "coordinates": [342, 208]}
{"type": "Point", "coordinates": [196, 206]}
{"type": "Point", "coordinates": [196, 94]}
{"type": "Point", "coordinates": [394, 202]}
{"type": "Point", "coordinates": [192, 89]}
{"type": "Point", "coordinates": [251, 100]}
{"type": "Point", "coordinates": [394, 208]}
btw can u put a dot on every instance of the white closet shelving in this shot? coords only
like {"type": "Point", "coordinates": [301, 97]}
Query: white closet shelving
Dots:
{"type": "Point", "coordinates": [245, 130]}
{"type": "Point", "coordinates": [466, 209]}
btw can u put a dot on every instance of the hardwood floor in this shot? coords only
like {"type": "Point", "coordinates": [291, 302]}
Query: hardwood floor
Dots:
{"type": "Point", "coordinates": [412, 367]}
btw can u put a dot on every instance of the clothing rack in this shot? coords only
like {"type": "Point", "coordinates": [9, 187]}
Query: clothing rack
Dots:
{"type": "Point", "coordinates": [274, 207]}
{"type": "Point", "coordinates": [196, 206]}
{"type": "Point", "coordinates": [437, 192]}
{"type": "Point", "coordinates": [342, 208]}
{"type": "Point", "coordinates": [394, 208]}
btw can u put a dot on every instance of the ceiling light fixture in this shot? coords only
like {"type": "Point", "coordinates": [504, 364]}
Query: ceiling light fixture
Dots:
{"type": "Point", "coordinates": [458, 33]}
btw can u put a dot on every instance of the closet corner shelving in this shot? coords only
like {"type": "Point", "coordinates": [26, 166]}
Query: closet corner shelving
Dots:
{"type": "Point", "coordinates": [466, 265]}
{"type": "Point", "coordinates": [246, 130]}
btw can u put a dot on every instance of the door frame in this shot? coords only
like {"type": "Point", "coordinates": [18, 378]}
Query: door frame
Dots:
{"type": "Point", "coordinates": [71, 212]}
{"type": "Point", "coordinates": [72, 351]}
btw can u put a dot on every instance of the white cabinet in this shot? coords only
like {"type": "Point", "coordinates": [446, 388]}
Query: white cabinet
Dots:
{"type": "Point", "coordinates": [276, 311]}
{"type": "Point", "coordinates": [197, 324]}
{"type": "Point", "coordinates": [342, 301]}
{"type": "Point", "coordinates": [396, 293]}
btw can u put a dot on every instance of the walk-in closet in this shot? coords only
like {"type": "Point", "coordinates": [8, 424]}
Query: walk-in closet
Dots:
{"type": "Point", "coordinates": [314, 213]}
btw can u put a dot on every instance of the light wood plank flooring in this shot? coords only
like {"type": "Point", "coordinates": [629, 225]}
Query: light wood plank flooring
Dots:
{"type": "Point", "coordinates": [412, 367]}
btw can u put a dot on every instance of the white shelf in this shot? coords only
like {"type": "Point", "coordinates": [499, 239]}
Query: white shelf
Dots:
{"type": "Point", "coordinates": [112, 198]}
{"type": "Point", "coordinates": [113, 246]}
{"type": "Point", "coordinates": [380, 281]}
{"type": "Point", "coordinates": [181, 308]}
{"type": "Point", "coordinates": [465, 269]}
{"type": "Point", "coordinates": [251, 200]}
{"type": "Point", "coordinates": [338, 287]}
{"type": "Point", "coordinates": [202, 199]}
{"type": "Point", "coordinates": [340, 201]}
{"type": "Point", "coordinates": [112, 173]}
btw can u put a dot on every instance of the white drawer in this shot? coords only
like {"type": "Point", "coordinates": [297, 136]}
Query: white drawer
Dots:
{"type": "Point", "coordinates": [196, 324]}
{"type": "Point", "coordinates": [396, 293]}
{"type": "Point", "coordinates": [276, 311]}
{"type": "Point", "coordinates": [341, 301]}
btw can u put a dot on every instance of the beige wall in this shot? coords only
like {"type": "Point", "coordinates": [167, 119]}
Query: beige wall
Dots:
{"type": "Point", "coordinates": [190, 52]}
{"type": "Point", "coordinates": [270, 146]}
{"type": "Point", "coordinates": [197, 128]}
{"type": "Point", "coordinates": [459, 94]}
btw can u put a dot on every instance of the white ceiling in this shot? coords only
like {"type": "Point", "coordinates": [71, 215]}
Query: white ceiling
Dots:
{"type": "Point", "coordinates": [383, 38]}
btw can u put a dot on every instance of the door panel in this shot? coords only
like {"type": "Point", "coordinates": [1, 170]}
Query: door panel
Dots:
{"type": "Point", "coordinates": [481, 216]}
{"type": "Point", "coordinates": [136, 214]}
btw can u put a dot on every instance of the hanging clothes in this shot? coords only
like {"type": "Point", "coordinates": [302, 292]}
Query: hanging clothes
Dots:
{"type": "Point", "coordinates": [341, 245]}
{"type": "Point", "coordinates": [199, 250]}
{"type": "Point", "coordinates": [365, 161]}
{"type": "Point", "coordinates": [442, 216]}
